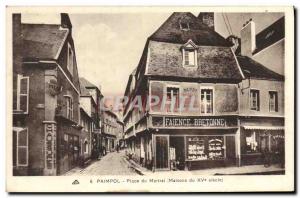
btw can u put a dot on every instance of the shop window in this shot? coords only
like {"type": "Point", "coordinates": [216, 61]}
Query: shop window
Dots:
{"type": "Point", "coordinates": [196, 148]}
{"type": "Point", "coordinates": [69, 107]}
{"type": "Point", "coordinates": [254, 100]}
{"type": "Point", "coordinates": [216, 147]}
{"type": "Point", "coordinates": [22, 99]}
{"type": "Point", "coordinates": [273, 101]}
{"type": "Point", "coordinates": [205, 148]}
{"type": "Point", "coordinates": [252, 142]}
{"type": "Point", "coordinates": [172, 103]}
{"type": "Point", "coordinates": [70, 59]}
{"type": "Point", "coordinates": [206, 101]}
{"type": "Point", "coordinates": [20, 147]}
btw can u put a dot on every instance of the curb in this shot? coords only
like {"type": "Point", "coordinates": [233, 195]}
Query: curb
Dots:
{"type": "Point", "coordinates": [134, 166]}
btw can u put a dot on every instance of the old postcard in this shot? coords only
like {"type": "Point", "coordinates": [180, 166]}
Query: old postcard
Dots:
{"type": "Point", "coordinates": [150, 99]}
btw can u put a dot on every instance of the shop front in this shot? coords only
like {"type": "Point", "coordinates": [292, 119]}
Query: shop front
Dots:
{"type": "Point", "coordinates": [262, 145]}
{"type": "Point", "coordinates": [189, 143]}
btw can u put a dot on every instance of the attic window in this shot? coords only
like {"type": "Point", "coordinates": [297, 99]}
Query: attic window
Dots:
{"type": "Point", "coordinates": [184, 25]}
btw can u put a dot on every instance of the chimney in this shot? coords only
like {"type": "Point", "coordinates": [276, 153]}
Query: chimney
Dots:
{"type": "Point", "coordinates": [207, 18]}
{"type": "Point", "coordinates": [65, 21]}
{"type": "Point", "coordinates": [235, 41]}
{"type": "Point", "coordinates": [17, 43]}
{"type": "Point", "coordinates": [248, 38]}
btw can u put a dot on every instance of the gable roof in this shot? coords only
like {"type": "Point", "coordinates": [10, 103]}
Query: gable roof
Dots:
{"type": "Point", "coordinates": [270, 35]}
{"type": "Point", "coordinates": [83, 90]}
{"type": "Point", "coordinates": [200, 33]}
{"type": "Point", "coordinates": [214, 63]}
{"type": "Point", "coordinates": [42, 41]}
{"type": "Point", "coordinates": [84, 82]}
{"type": "Point", "coordinates": [251, 68]}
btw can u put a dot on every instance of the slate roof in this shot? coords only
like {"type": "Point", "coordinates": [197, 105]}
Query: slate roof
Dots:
{"type": "Point", "coordinates": [215, 63]}
{"type": "Point", "coordinates": [83, 85]}
{"type": "Point", "coordinates": [42, 41]}
{"type": "Point", "coordinates": [270, 35]}
{"type": "Point", "coordinates": [84, 82]}
{"type": "Point", "coordinates": [200, 33]}
{"type": "Point", "coordinates": [253, 69]}
{"type": "Point", "coordinates": [215, 57]}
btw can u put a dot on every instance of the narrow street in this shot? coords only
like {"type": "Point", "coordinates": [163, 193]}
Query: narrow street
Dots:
{"type": "Point", "coordinates": [111, 164]}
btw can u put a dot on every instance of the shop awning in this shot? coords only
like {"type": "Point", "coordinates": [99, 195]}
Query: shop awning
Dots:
{"type": "Point", "coordinates": [263, 127]}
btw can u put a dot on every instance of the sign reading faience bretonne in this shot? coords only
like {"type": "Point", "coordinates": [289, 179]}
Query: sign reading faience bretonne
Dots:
{"type": "Point", "coordinates": [196, 122]}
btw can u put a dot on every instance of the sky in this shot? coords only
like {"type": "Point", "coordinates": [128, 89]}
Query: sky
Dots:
{"type": "Point", "coordinates": [109, 46]}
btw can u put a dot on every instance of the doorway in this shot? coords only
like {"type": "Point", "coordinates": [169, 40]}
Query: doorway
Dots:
{"type": "Point", "coordinates": [177, 152]}
{"type": "Point", "coordinates": [162, 152]}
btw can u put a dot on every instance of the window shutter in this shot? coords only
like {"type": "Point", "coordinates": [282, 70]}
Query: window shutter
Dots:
{"type": "Point", "coordinates": [22, 148]}
{"type": "Point", "coordinates": [23, 95]}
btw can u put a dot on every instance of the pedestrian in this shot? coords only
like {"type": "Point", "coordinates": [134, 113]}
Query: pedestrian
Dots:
{"type": "Point", "coordinates": [267, 157]}
{"type": "Point", "coordinates": [117, 147]}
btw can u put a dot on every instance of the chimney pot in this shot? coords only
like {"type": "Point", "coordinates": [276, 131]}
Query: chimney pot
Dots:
{"type": "Point", "coordinates": [207, 18]}
{"type": "Point", "coordinates": [248, 39]}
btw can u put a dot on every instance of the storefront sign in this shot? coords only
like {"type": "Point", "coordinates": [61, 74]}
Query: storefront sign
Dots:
{"type": "Point", "coordinates": [194, 122]}
{"type": "Point", "coordinates": [50, 148]}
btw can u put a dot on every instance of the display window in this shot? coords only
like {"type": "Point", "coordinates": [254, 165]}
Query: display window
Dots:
{"type": "Point", "coordinates": [252, 142]}
{"type": "Point", "coordinates": [205, 148]}
{"type": "Point", "coordinates": [216, 147]}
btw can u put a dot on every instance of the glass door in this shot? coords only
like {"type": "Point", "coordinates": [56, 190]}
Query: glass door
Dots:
{"type": "Point", "coordinates": [162, 152]}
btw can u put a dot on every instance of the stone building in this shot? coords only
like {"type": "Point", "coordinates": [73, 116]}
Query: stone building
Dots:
{"type": "Point", "coordinates": [93, 98]}
{"type": "Point", "coordinates": [46, 131]}
{"type": "Point", "coordinates": [88, 121]}
{"type": "Point", "coordinates": [261, 92]}
{"type": "Point", "coordinates": [110, 130]}
{"type": "Point", "coordinates": [195, 98]}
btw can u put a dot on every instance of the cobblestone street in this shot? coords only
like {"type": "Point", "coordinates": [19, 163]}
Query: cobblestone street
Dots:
{"type": "Point", "coordinates": [111, 164]}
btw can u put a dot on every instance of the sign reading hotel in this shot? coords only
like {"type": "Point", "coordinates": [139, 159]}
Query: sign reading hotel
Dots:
{"type": "Point", "coordinates": [194, 122]}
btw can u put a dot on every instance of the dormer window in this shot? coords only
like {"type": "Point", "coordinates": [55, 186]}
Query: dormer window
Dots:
{"type": "Point", "coordinates": [189, 54]}
{"type": "Point", "coordinates": [184, 25]}
{"type": "Point", "coordinates": [189, 57]}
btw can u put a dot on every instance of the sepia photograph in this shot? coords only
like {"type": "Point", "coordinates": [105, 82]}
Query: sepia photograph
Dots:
{"type": "Point", "coordinates": [154, 96]}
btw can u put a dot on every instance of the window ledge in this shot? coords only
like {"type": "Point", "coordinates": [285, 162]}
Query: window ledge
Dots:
{"type": "Point", "coordinates": [190, 66]}
{"type": "Point", "coordinates": [19, 112]}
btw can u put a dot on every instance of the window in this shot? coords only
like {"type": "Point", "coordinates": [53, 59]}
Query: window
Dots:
{"type": "Point", "coordinates": [172, 103]}
{"type": "Point", "coordinates": [86, 147]}
{"type": "Point", "coordinates": [189, 57]}
{"type": "Point", "coordinates": [206, 101]}
{"type": "Point", "coordinates": [20, 146]}
{"type": "Point", "coordinates": [189, 54]}
{"type": "Point", "coordinates": [184, 25]}
{"type": "Point", "coordinates": [273, 101]}
{"type": "Point", "coordinates": [252, 142]}
{"type": "Point", "coordinates": [257, 142]}
{"type": "Point", "coordinates": [69, 107]}
{"type": "Point", "coordinates": [254, 100]}
{"type": "Point", "coordinates": [70, 59]}
{"type": "Point", "coordinates": [22, 102]}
